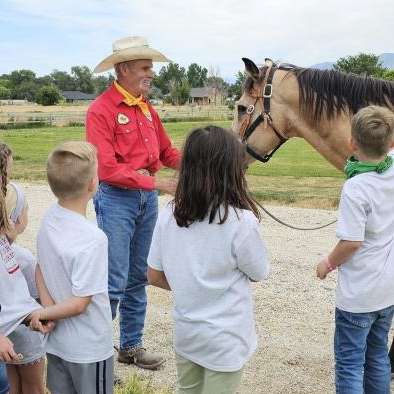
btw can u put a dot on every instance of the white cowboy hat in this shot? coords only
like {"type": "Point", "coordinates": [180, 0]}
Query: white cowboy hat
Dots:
{"type": "Point", "coordinates": [130, 48]}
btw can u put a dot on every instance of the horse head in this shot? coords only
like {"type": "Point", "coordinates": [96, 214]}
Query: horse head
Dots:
{"type": "Point", "coordinates": [258, 120]}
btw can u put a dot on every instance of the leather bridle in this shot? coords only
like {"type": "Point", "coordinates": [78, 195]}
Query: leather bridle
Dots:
{"type": "Point", "coordinates": [247, 129]}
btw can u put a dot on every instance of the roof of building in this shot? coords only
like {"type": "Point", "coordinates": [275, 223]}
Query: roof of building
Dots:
{"type": "Point", "coordinates": [201, 92]}
{"type": "Point", "coordinates": [77, 95]}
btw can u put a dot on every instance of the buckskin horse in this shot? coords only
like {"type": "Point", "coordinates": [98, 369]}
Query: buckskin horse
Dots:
{"type": "Point", "coordinates": [281, 101]}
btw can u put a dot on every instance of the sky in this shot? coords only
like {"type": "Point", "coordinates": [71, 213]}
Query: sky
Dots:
{"type": "Point", "coordinates": [43, 35]}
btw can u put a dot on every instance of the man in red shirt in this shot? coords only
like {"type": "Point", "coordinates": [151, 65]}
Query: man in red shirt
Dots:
{"type": "Point", "coordinates": [132, 145]}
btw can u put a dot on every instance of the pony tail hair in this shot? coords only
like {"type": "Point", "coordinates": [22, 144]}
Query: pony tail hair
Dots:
{"type": "Point", "coordinates": [5, 153]}
{"type": "Point", "coordinates": [5, 225]}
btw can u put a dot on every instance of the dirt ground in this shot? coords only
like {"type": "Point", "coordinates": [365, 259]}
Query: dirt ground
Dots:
{"type": "Point", "coordinates": [294, 310]}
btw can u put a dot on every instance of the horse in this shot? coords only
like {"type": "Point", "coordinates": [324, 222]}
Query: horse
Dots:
{"type": "Point", "coordinates": [282, 101]}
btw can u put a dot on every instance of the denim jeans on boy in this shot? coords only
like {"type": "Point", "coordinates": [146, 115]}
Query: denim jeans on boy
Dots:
{"type": "Point", "coordinates": [128, 218]}
{"type": "Point", "coordinates": [3, 379]}
{"type": "Point", "coordinates": [362, 364]}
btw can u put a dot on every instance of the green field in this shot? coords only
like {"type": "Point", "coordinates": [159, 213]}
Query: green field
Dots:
{"type": "Point", "coordinates": [296, 175]}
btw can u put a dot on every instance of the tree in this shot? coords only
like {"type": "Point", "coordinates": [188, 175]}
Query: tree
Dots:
{"type": "Point", "coordinates": [389, 75]}
{"type": "Point", "coordinates": [196, 75]}
{"type": "Point", "coordinates": [5, 93]}
{"type": "Point", "coordinates": [63, 80]}
{"type": "Point", "coordinates": [180, 92]}
{"type": "Point", "coordinates": [168, 76]}
{"type": "Point", "coordinates": [42, 81]}
{"type": "Point", "coordinates": [83, 78]}
{"type": "Point", "coordinates": [24, 91]}
{"type": "Point", "coordinates": [217, 83]}
{"type": "Point", "coordinates": [235, 90]}
{"type": "Point", "coordinates": [19, 77]}
{"type": "Point", "coordinates": [48, 95]}
{"type": "Point", "coordinates": [5, 81]}
{"type": "Point", "coordinates": [101, 82]}
{"type": "Point", "coordinates": [363, 63]}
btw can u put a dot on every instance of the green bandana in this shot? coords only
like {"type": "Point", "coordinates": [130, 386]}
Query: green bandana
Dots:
{"type": "Point", "coordinates": [354, 167]}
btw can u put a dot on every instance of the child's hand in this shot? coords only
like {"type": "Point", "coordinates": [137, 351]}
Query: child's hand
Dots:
{"type": "Point", "coordinates": [35, 323]}
{"type": "Point", "coordinates": [38, 322]}
{"type": "Point", "coordinates": [48, 326]}
{"type": "Point", "coordinates": [7, 352]}
{"type": "Point", "coordinates": [322, 269]}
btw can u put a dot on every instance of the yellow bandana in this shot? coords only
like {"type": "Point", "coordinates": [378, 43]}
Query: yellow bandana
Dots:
{"type": "Point", "coordinates": [131, 100]}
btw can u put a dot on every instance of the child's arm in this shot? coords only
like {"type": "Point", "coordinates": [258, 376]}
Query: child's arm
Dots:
{"type": "Point", "coordinates": [43, 293]}
{"type": "Point", "coordinates": [250, 251]}
{"type": "Point", "coordinates": [158, 279]}
{"type": "Point", "coordinates": [73, 306]}
{"type": "Point", "coordinates": [342, 252]}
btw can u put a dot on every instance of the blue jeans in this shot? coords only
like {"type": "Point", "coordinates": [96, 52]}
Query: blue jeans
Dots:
{"type": "Point", "coordinates": [128, 218]}
{"type": "Point", "coordinates": [361, 361]}
{"type": "Point", "coordinates": [3, 379]}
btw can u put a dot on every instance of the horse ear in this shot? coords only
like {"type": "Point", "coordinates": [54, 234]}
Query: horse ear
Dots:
{"type": "Point", "coordinates": [251, 68]}
{"type": "Point", "coordinates": [268, 62]}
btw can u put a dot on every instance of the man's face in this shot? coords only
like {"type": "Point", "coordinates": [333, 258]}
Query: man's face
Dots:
{"type": "Point", "coordinates": [138, 75]}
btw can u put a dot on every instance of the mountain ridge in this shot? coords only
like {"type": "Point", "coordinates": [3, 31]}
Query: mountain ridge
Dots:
{"type": "Point", "coordinates": [387, 60]}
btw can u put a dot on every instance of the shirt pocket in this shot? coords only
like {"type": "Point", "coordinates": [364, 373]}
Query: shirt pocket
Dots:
{"type": "Point", "coordinates": [126, 138]}
{"type": "Point", "coordinates": [153, 141]}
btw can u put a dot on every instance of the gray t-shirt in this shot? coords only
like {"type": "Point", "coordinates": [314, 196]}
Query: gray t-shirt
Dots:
{"type": "Point", "coordinates": [73, 257]}
{"type": "Point", "coordinates": [209, 267]}
{"type": "Point", "coordinates": [15, 300]}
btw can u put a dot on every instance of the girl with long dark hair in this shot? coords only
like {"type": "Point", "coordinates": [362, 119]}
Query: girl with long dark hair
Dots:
{"type": "Point", "coordinates": [207, 248]}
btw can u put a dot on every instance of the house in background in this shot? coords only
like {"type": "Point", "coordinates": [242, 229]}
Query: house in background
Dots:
{"type": "Point", "coordinates": [205, 96]}
{"type": "Point", "coordinates": [77, 97]}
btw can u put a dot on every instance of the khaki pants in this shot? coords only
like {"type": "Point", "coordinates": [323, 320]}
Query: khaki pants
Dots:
{"type": "Point", "coordinates": [195, 379]}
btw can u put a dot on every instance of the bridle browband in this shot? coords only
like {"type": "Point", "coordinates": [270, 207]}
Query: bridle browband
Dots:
{"type": "Point", "coordinates": [265, 115]}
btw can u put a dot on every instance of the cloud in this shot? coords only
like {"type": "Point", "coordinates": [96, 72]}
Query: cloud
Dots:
{"type": "Point", "coordinates": [216, 33]}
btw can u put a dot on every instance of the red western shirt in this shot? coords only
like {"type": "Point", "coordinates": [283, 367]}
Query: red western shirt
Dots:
{"type": "Point", "coordinates": [127, 141]}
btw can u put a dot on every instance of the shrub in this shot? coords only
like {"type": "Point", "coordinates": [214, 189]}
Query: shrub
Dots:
{"type": "Point", "coordinates": [48, 95]}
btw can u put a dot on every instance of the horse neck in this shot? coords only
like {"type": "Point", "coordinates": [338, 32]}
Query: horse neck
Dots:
{"type": "Point", "coordinates": [328, 137]}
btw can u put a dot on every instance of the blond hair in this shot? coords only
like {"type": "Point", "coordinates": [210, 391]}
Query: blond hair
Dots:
{"type": "Point", "coordinates": [70, 167]}
{"type": "Point", "coordinates": [372, 129]}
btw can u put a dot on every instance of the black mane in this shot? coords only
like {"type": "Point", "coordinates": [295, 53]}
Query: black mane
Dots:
{"type": "Point", "coordinates": [329, 92]}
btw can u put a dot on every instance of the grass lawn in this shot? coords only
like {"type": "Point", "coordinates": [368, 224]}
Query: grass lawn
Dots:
{"type": "Point", "coordinates": [296, 175]}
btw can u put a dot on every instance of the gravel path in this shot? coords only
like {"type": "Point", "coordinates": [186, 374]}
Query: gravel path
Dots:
{"type": "Point", "coordinates": [294, 311]}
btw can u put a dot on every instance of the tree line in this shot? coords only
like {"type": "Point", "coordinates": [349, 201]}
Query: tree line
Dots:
{"type": "Point", "coordinates": [171, 84]}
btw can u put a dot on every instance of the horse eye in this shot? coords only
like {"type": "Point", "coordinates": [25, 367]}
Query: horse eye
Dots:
{"type": "Point", "coordinates": [241, 109]}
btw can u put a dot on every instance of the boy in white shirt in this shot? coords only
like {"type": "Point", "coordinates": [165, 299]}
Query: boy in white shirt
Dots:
{"type": "Point", "coordinates": [73, 262]}
{"type": "Point", "coordinates": [365, 257]}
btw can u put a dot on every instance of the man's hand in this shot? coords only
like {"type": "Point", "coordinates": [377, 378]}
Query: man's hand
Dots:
{"type": "Point", "coordinates": [143, 171]}
{"type": "Point", "coordinates": [7, 352]}
{"type": "Point", "coordinates": [166, 185]}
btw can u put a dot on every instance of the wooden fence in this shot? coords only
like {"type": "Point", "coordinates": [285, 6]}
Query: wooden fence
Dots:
{"type": "Point", "coordinates": [166, 113]}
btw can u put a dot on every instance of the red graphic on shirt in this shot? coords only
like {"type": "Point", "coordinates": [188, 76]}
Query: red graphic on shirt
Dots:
{"type": "Point", "coordinates": [8, 256]}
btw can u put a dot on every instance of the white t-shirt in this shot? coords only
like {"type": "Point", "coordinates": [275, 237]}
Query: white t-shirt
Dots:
{"type": "Point", "coordinates": [73, 257]}
{"type": "Point", "coordinates": [27, 264]}
{"type": "Point", "coordinates": [208, 267]}
{"type": "Point", "coordinates": [366, 213]}
{"type": "Point", "coordinates": [15, 300]}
